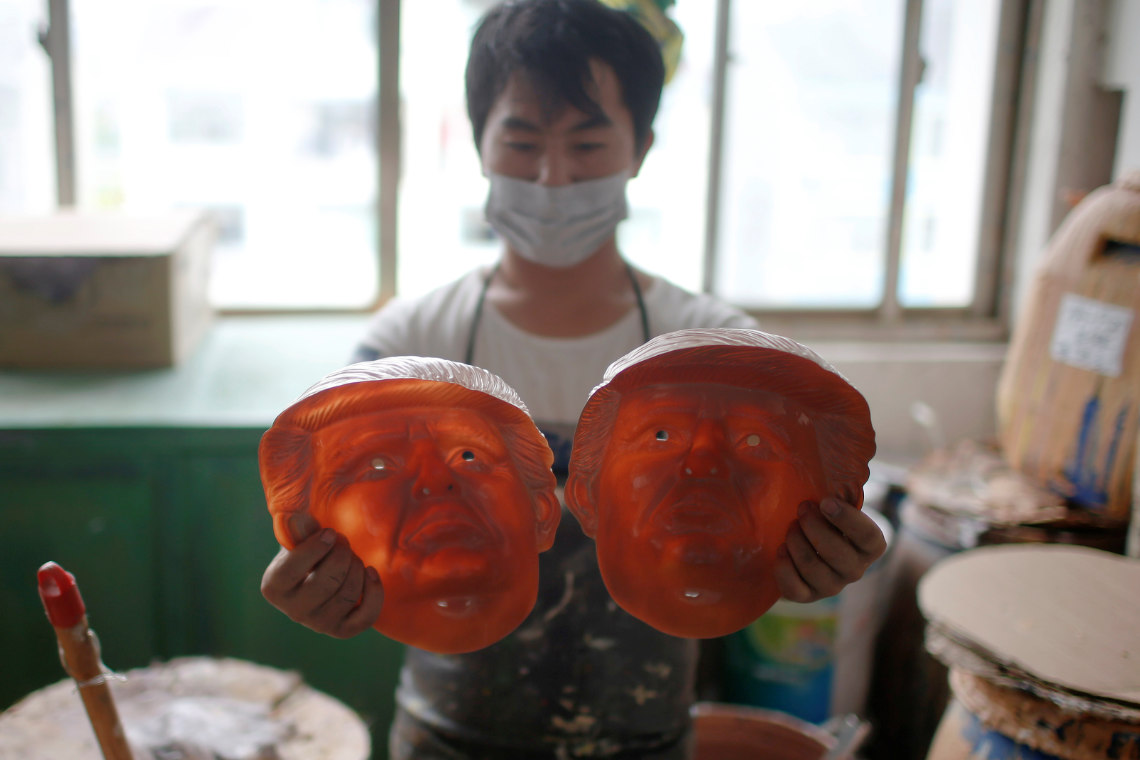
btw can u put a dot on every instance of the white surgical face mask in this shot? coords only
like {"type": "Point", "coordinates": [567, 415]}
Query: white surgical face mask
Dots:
{"type": "Point", "coordinates": [556, 226]}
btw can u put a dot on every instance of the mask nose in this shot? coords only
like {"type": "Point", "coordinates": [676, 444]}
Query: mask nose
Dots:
{"type": "Point", "coordinates": [706, 456]}
{"type": "Point", "coordinates": [553, 169]}
{"type": "Point", "coordinates": [433, 476]}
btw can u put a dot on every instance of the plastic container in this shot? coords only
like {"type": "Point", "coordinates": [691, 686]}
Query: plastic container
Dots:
{"type": "Point", "coordinates": [988, 721]}
{"type": "Point", "coordinates": [737, 732]}
{"type": "Point", "coordinates": [813, 661]}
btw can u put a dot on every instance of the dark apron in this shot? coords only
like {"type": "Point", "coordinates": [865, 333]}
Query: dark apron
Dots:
{"type": "Point", "coordinates": [579, 677]}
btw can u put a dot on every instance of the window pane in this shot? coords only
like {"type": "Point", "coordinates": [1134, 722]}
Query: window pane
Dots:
{"type": "Point", "coordinates": [261, 112]}
{"type": "Point", "coordinates": [952, 112]}
{"type": "Point", "coordinates": [442, 232]}
{"type": "Point", "coordinates": [27, 162]}
{"type": "Point", "coordinates": [665, 230]}
{"type": "Point", "coordinates": [807, 156]}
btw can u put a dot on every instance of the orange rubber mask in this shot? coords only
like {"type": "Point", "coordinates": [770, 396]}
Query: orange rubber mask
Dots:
{"type": "Point", "coordinates": [438, 478]}
{"type": "Point", "coordinates": [690, 461]}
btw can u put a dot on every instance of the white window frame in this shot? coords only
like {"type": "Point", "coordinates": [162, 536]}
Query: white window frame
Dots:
{"type": "Point", "coordinates": [985, 318]}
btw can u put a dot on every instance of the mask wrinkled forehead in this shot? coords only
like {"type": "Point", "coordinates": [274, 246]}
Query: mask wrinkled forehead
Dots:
{"type": "Point", "coordinates": [717, 346]}
{"type": "Point", "coordinates": [730, 356]}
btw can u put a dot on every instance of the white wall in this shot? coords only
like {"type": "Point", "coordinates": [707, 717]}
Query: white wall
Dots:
{"type": "Point", "coordinates": [955, 381]}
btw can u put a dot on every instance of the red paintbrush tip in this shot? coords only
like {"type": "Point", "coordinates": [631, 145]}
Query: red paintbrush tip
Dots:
{"type": "Point", "coordinates": [60, 596]}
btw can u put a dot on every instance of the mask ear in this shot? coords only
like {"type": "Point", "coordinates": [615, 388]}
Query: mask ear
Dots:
{"type": "Point", "coordinates": [580, 498]}
{"type": "Point", "coordinates": [547, 513]}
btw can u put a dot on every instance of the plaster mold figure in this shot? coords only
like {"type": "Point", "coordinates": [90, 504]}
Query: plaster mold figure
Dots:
{"type": "Point", "coordinates": [438, 478]}
{"type": "Point", "coordinates": [690, 461]}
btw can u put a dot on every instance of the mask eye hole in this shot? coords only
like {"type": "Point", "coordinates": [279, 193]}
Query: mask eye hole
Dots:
{"type": "Point", "coordinates": [468, 456]}
{"type": "Point", "coordinates": [662, 435]}
{"type": "Point", "coordinates": [752, 440]}
{"type": "Point", "coordinates": [379, 464]}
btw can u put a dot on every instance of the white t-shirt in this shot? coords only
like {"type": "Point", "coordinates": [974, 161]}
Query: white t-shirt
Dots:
{"type": "Point", "coordinates": [554, 376]}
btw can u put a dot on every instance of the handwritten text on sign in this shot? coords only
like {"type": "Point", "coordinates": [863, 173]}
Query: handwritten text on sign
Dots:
{"type": "Point", "coordinates": [1091, 334]}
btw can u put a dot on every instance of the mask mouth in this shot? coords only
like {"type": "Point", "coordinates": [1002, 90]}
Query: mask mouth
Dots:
{"type": "Point", "coordinates": [700, 596]}
{"type": "Point", "coordinates": [458, 607]}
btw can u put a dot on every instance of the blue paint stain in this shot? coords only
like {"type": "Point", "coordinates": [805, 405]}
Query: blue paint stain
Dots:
{"type": "Point", "coordinates": [987, 744]}
{"type": "Point", "coordinates": [1117, 432]}
{"type": "Point", "coordinates": [1125, 745]}
{"type": "Point", "coordinates": [1081, 472]}
{"type": "Point", "coordinates": [1088, 481]}
{"type": "Point", "coordinates": [1061, 729]}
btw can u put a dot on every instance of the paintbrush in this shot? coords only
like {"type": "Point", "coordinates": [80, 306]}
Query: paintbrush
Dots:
{"type": "Point", "coordinates": [79, 650]}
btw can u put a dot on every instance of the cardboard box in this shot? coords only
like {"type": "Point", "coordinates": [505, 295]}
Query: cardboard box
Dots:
{"type": "Point", "coordinates": [103, 290]}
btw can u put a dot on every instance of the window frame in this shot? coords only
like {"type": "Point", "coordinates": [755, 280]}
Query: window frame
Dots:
{"type": "Point", "coordinates": [986, 318]}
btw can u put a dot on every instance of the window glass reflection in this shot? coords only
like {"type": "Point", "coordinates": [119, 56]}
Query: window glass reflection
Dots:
{"type": "Point", "coordinates": [807, 154]}
{"type": "Point", "coordinates": [262, 113]}
{"type": "Point", "coordinates": [27, 161]}
{"type": "Point", "coordinates": [948, 153]}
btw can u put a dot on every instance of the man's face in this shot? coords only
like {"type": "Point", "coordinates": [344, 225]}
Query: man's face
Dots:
{"type": "Point", "coordinates": [522, 141]}
{"type": "Point", "coordinates": [698, 487]}
{"type": "Point", "coordinates": [431, 498]}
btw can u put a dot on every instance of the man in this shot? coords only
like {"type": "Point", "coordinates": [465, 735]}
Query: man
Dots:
{"type": "Point", "coordinates": [441, 484]}
{"type": "Point", "coordinates": [561, 97]}
{"type": "Point", "coordinates": [690, 461]}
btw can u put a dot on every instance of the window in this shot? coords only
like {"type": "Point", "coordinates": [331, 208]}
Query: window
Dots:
{"type": "Point", "coordinates": [836, 163]}
{"type": "Point", "coordinates": [859, 143]}
{"type": "Point", "coordinates": [26, 160]}
{"type": "Point", "coordinates": [808, 129]}
{"type": "Point", "coordinates": [263, 115]}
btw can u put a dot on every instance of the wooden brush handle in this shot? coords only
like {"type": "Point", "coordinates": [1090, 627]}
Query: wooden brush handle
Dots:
{"type": "Point", "coordinates": [81, 655]}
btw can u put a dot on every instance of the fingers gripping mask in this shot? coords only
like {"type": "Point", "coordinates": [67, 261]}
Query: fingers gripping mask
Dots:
{"type": "Point", "coordinates": [439, 479]}
{"type": "Point", "coordinates": [690, 461]}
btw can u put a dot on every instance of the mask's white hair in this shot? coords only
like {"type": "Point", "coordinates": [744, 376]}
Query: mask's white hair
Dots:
{"type": "Point", "coordinates": [712, 336]}
{"type": "Point", "coordinates": [420, 368]}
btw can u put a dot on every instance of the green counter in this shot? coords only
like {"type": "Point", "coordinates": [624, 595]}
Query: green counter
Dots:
{"type": "Point", "coordinates": [145, 486]}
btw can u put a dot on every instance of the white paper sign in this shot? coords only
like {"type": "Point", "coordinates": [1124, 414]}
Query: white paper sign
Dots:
{"type": "Point", "coordinates": [1091, 334]}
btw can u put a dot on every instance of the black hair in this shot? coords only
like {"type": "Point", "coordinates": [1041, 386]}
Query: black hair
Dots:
{"type": "Point", "coordinates": [552, 42]}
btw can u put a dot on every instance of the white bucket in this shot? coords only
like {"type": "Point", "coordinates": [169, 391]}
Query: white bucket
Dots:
{"type": "Point", "coordinates": [813, 661]}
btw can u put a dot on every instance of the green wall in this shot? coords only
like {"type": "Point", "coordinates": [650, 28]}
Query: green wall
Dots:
{"type": "Point", "coordinates": [167, 534]}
